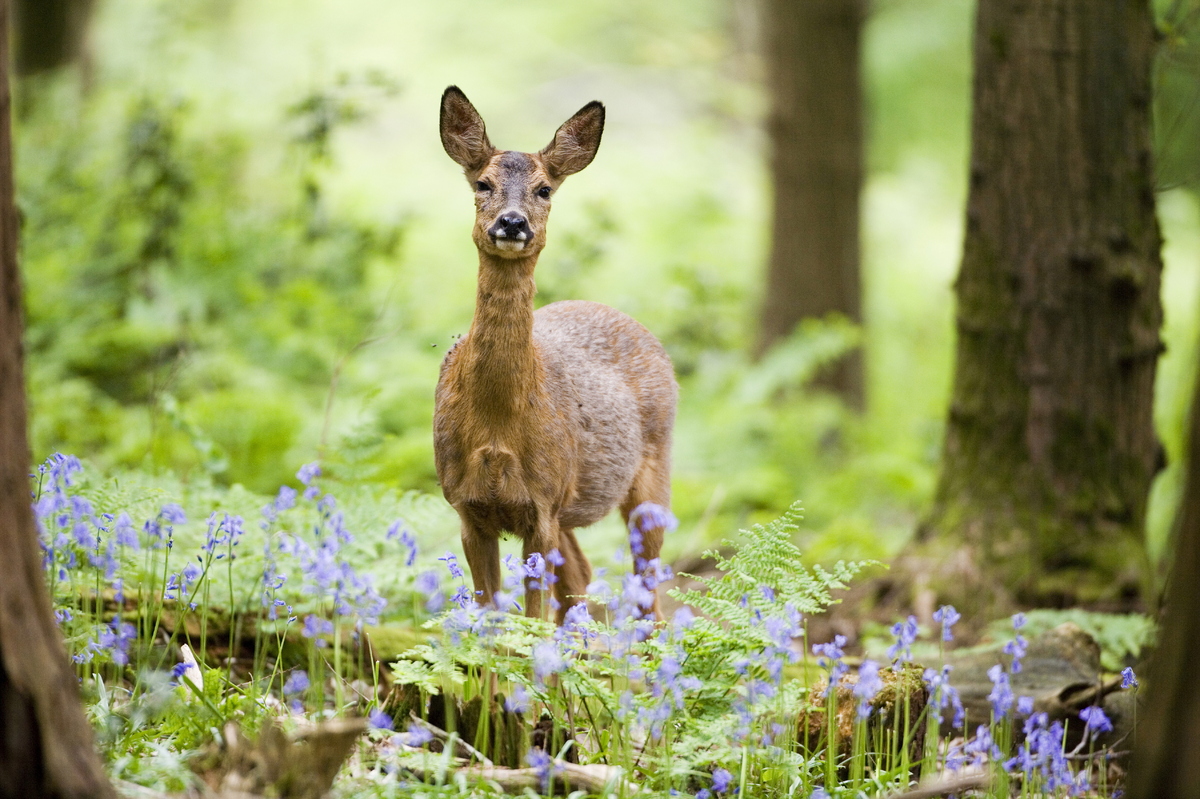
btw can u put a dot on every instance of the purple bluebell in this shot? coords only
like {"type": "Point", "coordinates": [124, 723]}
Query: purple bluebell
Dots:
{"type": "Point", "coordinates": [906, 633]}
{"type": "Point", "coordinates": [1025, 705]}
{"type": "Point", "coordinates": [452, 566]}
{"type": "Point", "coordinates": [721, 780]}
{"type": "Point", "coordinates": [124, 533]}
{"type": "Point", "coordinates": [285, 499]}
{"type": "Point", "coordinates": [116, 638]}
{"type": "Point", "coordinates": [417, 736]}
{"type": "Point", "coordinates": [1001, 695]}
{"type": "Point", "coordinates": [547, 660]}
{"type": "Point", "coordinates": [315, 627]}
{"type": "Point", "coordinates": [947, 616]}
{"type": "Point", "coordinates": [540, 762]}
{"type": "Point", "coordinates": [1096, 719]}
{"type": "Point", "coordinates": [429, 585]}
{"type": "Point", "coordinates": [555, 558]}
{"type": "Point", "coordinates": [830, 658]}
{"type": "Point", "coordinates": [519, 702]}
{"type": "Point", "coordinates": [868, 687]}
{"type": "Point", "coordinates": [1018, 645]}
{"type": "Point", "coordinates": [379, 719]}
{"type": "Point", "coordinates": [942, 694]}
{"type": "Point", "coordinates": [1128, 678]}
{"type": "Point", "coordinates": [683, 618]}
{"type": "Point", "coordinates": [297, 683]}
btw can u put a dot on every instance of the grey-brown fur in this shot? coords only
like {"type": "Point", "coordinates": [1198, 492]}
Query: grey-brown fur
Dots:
{"type": "Point", "coordinates": [543, 422]}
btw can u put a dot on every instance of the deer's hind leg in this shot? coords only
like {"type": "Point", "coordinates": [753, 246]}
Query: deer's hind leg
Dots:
{"type": "Point", "coordinates": [573, 575]}
{"type": "Point", "coordinates": [651, 483]}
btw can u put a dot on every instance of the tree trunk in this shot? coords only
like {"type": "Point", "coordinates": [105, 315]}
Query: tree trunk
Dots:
{"type": "Point", "coordinates": [1164, 763]}
{"type": "Point", "coordinates": [812, 57]}
{"type": "Point", "coordinates": [1050, 448]}
{"type": "Point", "coordinates": [45, 741]}
{"type": "Point", "coordinates": [49, 33]}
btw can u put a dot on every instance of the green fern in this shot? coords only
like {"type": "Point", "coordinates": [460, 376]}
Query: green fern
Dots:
{"type": "Point", "coordinates": [765, 576]}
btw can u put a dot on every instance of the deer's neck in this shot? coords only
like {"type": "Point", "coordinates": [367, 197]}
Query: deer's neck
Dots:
{"type": "Point", "coordinates": [502, 360]}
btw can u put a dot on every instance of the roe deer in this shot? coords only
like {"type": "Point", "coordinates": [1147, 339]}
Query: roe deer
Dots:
{"type": "Point", "coordinates": [544, 421]}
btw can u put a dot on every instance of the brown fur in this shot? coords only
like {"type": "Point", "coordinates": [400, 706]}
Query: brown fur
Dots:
{"type": "Point", "coordinates": [544, 421]}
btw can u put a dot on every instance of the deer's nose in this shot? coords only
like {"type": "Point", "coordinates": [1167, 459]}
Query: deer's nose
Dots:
{"type": "Point", "coordinates": [510, 226]}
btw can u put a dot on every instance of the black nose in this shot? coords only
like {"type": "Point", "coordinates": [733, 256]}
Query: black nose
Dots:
{"type": "Point", "coordinates": [511, 226]}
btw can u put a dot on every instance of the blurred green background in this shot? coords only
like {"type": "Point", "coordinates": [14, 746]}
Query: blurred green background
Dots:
{"type": "Point", "coordinates": [244, 248]}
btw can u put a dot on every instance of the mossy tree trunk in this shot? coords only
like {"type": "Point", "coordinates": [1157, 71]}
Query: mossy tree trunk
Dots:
{"type": "Point", "coordinates": [1050, 448]}
{"type": "Point", "coordinates": [50, 33]}
{"type": "Point", "coordinates": [45, 740]}
{"type": "Point", "coordinates": [812, 54]}
{"type": "Point", "coordinates": [1164, 763]}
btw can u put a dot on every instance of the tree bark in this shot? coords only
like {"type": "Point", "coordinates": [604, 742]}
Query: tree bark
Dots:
{"type": "Point", "coordinates": [49, 33]}
{"type": "Point", "coordinates": [1050, 448]}
{"type": "Point", "coordinates": [1164, 763]}
{"type": "Point", "coordinates": [815, 126]}
{"type": "Point", "coordinates": [45, 740]}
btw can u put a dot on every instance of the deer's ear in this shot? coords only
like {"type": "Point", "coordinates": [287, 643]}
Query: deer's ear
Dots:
{"type": "Point", "coordinates": [463, 133]}
{"type": "Point", "coordinates": [575, 143]}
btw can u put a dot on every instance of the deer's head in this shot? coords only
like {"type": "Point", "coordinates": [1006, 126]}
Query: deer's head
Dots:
{"type": "Point", "coordinates": [513, 189]}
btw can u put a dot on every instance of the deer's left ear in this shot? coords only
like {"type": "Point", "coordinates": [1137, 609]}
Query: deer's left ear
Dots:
{"type": "Point", "coordinates": [576, 142]}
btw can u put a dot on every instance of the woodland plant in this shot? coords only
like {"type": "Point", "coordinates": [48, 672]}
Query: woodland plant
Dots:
{"type": "Point", "coordinates": [726, 697]}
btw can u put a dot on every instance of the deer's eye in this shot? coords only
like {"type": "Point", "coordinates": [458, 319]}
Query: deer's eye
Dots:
{"type": "Point", "coordinates": [482, 185]}
{"type": "Point", "coordinates": [544, 192]}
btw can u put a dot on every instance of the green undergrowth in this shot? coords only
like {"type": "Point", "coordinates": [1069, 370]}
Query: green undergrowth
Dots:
{"type": "Point", "coordinates": [188, 608]}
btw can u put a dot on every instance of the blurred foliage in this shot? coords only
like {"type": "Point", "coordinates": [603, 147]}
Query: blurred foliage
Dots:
{"type": "Point", "coordinates": [244, 249]}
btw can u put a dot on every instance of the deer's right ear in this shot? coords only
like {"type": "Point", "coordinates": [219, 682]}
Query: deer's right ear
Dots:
{"type": "Point", "coordinates": [463, 133]}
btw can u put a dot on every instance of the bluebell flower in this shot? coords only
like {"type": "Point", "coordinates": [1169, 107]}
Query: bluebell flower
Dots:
{"type": "Point", "coordinates": [519, 702]}
{"type": "Point", "coordinates": [1128, 678]}
{"type": "Point", "coordinates": [819, 793]}
{"type": "Point", "coordinates": [576, 619]}
{"type": "Point", "coordinates": [947, 616]}
{"type": "Point", "coordinates": [683, 618]}
{"type": "Point", "coordinates": [297, 683]}
{"type": "Point", "coordinates": [379, 719]}
{"type": "Point", "coordinates": [906, 633]}
{"type": "Point", "coordinates": [315, 627]}
{"type": "Point", "coordinates": [546, 660]}
{"type": "Point", "coordinates": [1018, 645]}
{"type": "Point", "coordinates": [309, 472]}
{"type": "Point", "coordinates": [463, 597]}
{"type": "Point", "coordinates": [721, 780]}
{"type": "Point", "coordinates": [982, 748]}
{"type": "Point", "coordinates": [1001, 695]}
{"type": "Point", "coordinates": [1025, 705]}
{"type": "Point", "coordinates": [451, 562]}
{"type": "Point", "coordinates": [124, 533]}
{"type": "Point", "coordinates": [555, 558]}
{"type": "Point", "coordinates": [417, 735]}
{"type": "Point", "coordinates": [116, 638]}
{"type": "Point", "coordinates": [285, 499]}
{"type": "Point", "coordinates": [1096, 719]}
{"type": "Point", "coordinates": [430, 586]}
{"type": "Point", "coordinates": [540, 762]}
{"type": "Point", "coordinates": [830, 658]}
{"type": "Point", "coordinates": [868, 687]}
{"type": "Point", "coordinates": [535, 569]}
{"type": "Point", "coordinates": [942, 694]}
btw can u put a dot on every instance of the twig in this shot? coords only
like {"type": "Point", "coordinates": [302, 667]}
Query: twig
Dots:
{"type": "Point", "coordinates": [946, 786]}
{"type": "Point", "coordinates": [442, 735]}
{"type": "Point", "coordinates": [595, 778]}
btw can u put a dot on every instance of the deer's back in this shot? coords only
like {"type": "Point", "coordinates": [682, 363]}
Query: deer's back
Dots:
{"type": "Point", "coordinates": [612, 376]}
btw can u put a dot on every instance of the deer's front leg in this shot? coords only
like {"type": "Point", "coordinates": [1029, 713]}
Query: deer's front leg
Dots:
{"type": "Point", "coordinates": [483, 556]}
{"type": "Point", "coordinates": [543, 539]}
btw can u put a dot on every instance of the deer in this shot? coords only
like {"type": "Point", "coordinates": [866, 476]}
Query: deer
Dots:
{"type": "Point", "coordinates": [544, 421]}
